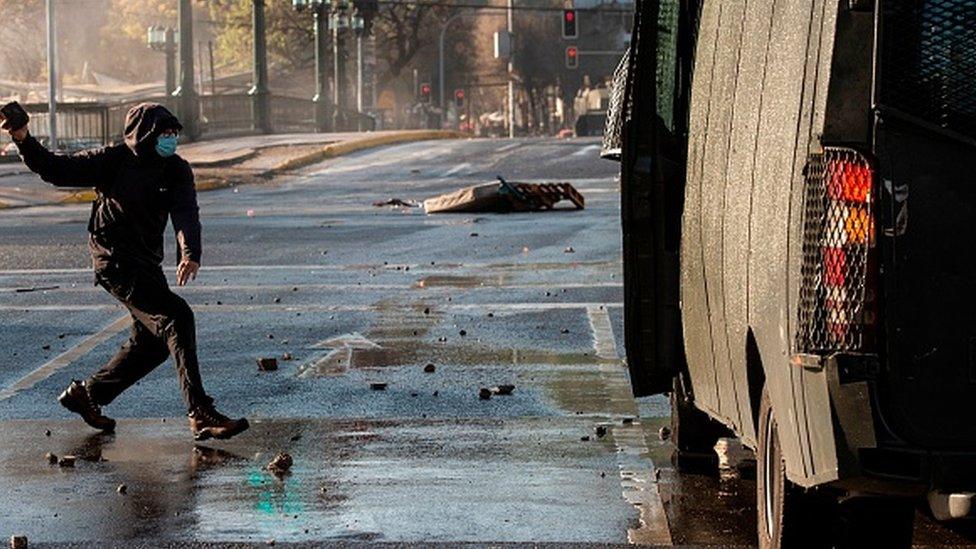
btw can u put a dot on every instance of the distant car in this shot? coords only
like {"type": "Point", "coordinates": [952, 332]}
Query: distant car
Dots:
{"type": "Point", "coordinates": [9, 149]}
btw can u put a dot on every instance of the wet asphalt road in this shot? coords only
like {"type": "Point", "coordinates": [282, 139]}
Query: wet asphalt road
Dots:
{"type": "Point", "coordinates": [355, 295]}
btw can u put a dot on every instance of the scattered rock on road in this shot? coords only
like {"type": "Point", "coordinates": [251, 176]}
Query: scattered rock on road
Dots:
{"type": "Point", "coordinates": [664, 433]}
{"type": "Point", "coordinates": [122, 489]}
{"type": "Point", "coordinates": [51, 458]}
{"type": "Point", "coordinates": [281, 464]}
{"type": "Point", "coordinates": [484, 394]}
{"type": "Point", "coordinates": [430, 368]}
{"type": "Point", "coordinates": [569, 250]}
{"type": "Point", "coordinates": [601, 431]}
{"type": "Point", "coordinates": [66, 461]}
{"type": "Point", "coordinates": [286, 356]}
{"type": "Point", "coordinates": [503, 389]}
{"type": "Point", "coordinates": [267, 364]}
{"type": "Point", "coordinates": [18, 542]}
{"type": "Point", "coordinates": [378, 386]}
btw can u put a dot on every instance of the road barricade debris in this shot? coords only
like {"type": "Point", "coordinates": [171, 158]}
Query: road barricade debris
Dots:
{"type": "Point", "coordinates": [505, 197]}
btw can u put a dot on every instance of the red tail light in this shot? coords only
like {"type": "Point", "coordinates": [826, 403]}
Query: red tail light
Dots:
{"type": "Point", "coordinates": [837, 304]}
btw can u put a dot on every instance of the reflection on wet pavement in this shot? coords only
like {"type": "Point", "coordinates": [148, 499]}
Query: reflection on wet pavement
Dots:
{"type": "Point", "coordinates": [405, 480]}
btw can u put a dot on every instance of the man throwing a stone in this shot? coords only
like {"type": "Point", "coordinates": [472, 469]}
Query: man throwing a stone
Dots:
{"type": "Point", "coordinates": [140, 185]}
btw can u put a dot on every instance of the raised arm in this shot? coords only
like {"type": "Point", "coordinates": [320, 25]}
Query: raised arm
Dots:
{"type": "Point", "coordinates": [91, 168]}
{"type": "Point", "coordinates": [185, 214]}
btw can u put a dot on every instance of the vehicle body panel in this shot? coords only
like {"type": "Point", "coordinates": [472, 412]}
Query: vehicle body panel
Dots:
{"type": "Point", "coordinates": [754, 96]}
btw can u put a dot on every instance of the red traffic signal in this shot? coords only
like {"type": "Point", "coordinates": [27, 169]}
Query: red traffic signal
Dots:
{"type": "Point", "coordinates": [572, 57]}
{"type": "Point", "coordinates": [459, 98]}
{"type": "Point", "coordinates": [425, 92]}
{"type": "Point", "coordinates": [569, 24]}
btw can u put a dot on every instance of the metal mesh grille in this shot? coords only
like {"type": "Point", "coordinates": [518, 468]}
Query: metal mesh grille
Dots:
{"type": "Point", "coordinates": [613, 131]}
{"type": "Point", "coordinates": [838, 233]}
{"type": "Point", "coordinates": [928, 61]}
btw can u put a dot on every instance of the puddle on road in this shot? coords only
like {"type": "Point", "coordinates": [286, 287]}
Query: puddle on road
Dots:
{"type": "Point", "coordinates": [402, 337]}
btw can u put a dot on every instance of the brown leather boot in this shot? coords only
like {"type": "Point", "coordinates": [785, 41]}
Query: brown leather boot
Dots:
{"type": "Point", "coordinates": [77, 399]}
{"type": "Point", "coordinates": [206, 422]}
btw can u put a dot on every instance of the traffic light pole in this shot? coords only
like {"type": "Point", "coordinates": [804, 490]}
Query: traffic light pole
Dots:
{"type": "Point", "coordinates": [440, 56]}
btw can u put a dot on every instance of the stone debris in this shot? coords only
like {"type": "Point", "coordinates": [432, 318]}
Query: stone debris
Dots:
{"type": "Point", "coordinates": [503, 389]}
{"type": "Point", "coordinates": [47, 433]}
{"type": "Point", "coordinates": [286, 356]}
{"type": "Point", "coordinates": [463, 333]}
{"type": "Point", "coordinates": [378, 386]}
{"type": "Point", "coordinates": [569, 250]}
{"type": "Point", "coordinates": [664, 433]}
{"type": "Point", "coordinates": [122, 489]}
{"type": "Point", "coordinates": [66, 461]}
{"type": "Point", "coordinates": [51, 458]}
{"type": "Point", "coordinates": [281, 463]}
{"type": "Point", "coordinates": [628, 421]}
{"type": "Point", "coordinates": [585, 438]}
{"type": "Point", "coordinates": [396, 203]}
{"type": "Point", "coordinates": [430, 368]}
{"type": "Point", "coordinates": [484, 393]}
{"type": "Point", "coordinates": [18, 542]}
{"type": "Point", "coordinates": [267, 364]}
{"type": "Point", "coordinates": [601, 431]}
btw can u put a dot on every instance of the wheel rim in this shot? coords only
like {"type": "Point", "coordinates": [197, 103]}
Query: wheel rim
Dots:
{"type": "Point", "coordinates": [767, 480]}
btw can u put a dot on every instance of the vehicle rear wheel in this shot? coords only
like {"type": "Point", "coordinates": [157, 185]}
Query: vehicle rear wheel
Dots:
{"type": "Point", "coordinates": [693, 434]}
{"type": "Point", "coordinates": [786, 515]}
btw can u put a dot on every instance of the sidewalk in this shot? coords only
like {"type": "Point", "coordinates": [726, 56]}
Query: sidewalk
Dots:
{"type": "Point", "coordinates": [223, 163]}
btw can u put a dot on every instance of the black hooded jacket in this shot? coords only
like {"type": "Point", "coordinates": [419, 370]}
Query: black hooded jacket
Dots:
{"type": "Point", "coordinates": [136, 190]}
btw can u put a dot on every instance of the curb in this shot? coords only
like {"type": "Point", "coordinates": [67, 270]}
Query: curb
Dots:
{"type": "Point", "coordinates": [332, 150]}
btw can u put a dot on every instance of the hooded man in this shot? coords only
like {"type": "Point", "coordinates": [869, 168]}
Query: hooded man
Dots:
{"type": "Point", "coordinates": [139, 185]}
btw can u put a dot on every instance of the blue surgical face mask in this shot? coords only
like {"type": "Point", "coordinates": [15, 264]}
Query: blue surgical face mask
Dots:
{"type": "Point", "coordinates": [166, 145]}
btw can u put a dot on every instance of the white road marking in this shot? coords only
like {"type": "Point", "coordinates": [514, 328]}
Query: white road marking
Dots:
{"type": "Point", "coordinates": [494, 307]}
{"type": "Point", "coordinates": [508, 147]}
{"type": "Point", "coordinates": [416, 268]}
{"type": "Point", "coordinates": [589, 150]}
{"type": "Point", "coordinates": [487, 284]}
{"type": "Point", "coordinates": [641, 491]}
{"type": "Point", "coordinates": [460, 167]}
{"type": "Point", "coordinates": [66, 358]}
{"type": "Point", "coordinates": [604, 343]}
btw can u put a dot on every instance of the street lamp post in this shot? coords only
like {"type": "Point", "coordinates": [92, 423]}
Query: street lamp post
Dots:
{"type": "Point", "coordinates": [359, 27]}
{"type": "Point", "coordinates": [259, 92]}
{"type": "Point", "coordinates": [320, 11]}
{"type": "Point", "coordinates": [340, 22]}
{"type": "Point", "coordinates": [186, 94]}
{"type": "Point", "coordinates": [164, 39]}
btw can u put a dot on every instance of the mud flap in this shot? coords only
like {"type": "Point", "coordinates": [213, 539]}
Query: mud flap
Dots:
{"type": "Point", "coordinates": [834, 415]}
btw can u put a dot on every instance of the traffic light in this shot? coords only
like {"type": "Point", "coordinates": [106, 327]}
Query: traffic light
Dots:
{"type": "Point", "coordinates": [459, 98]}
{"type": "Point", "coordinates": [425, 92]}
{"type": "Point", "coordinates": [572, 57]}
{"type": "Point", "coordinates": [569, 24]}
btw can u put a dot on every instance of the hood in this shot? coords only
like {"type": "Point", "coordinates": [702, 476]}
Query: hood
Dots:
{"type": "Point", "coordinates": [143, 123]}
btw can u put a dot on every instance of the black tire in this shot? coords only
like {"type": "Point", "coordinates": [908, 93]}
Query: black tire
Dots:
{"type": "Point", "coordinates": [693, 434]}
{"type": "Point", "coordinates": [786, 515]}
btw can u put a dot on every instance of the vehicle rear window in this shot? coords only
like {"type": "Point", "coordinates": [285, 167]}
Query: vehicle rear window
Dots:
{"type": "Point", "coordinates": [928, 61]}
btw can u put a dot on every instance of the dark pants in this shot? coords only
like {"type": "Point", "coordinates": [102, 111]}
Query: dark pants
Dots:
{"type": "Point", "coordinates": [162, 325]}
